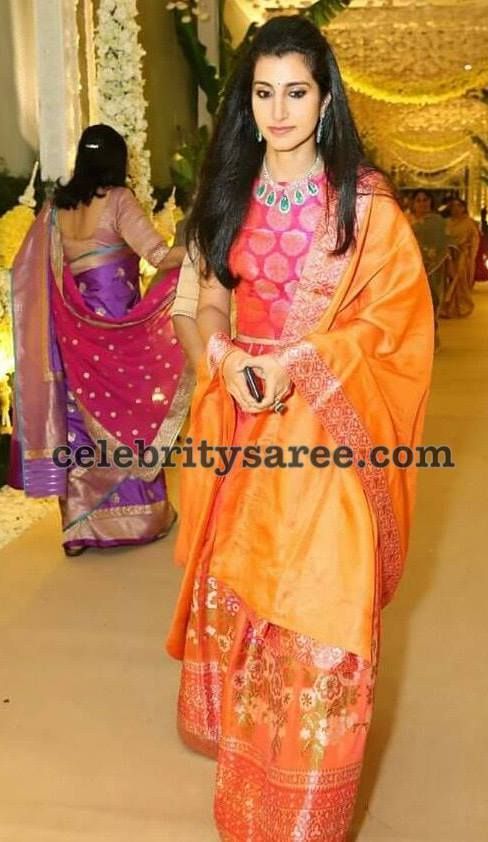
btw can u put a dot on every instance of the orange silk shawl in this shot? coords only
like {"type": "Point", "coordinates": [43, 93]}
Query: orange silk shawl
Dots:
{"type": "Point", "coordinates": [319, 550]}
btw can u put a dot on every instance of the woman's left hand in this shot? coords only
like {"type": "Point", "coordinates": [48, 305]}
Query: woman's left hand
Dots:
{"type": "Point", "coordinates": [277, 382]}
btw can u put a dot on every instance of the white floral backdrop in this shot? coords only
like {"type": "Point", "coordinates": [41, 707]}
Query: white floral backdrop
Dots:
{"type": "Point", "coordinates": [120, 87]}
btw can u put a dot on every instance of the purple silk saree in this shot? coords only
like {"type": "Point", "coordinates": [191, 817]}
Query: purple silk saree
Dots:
{"type": "Point", "coordinates": [96, 366]}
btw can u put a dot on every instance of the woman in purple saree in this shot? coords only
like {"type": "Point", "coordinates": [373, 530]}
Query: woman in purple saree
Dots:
{"type": "Point", "coordinates": [97, 367]}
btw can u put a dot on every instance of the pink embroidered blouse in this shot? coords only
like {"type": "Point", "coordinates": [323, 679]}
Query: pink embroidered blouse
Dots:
{"type": "Point", "coordinates": [268, 257]}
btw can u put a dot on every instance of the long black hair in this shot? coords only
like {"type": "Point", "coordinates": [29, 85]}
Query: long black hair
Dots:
{"type": "Point", "coordinates": [101, 162]}
{"type": "Point", "coordinates": [235, 156]}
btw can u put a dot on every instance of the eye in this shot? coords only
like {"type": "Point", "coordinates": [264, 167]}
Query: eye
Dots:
{"type": "Point", "coordinates": [261, 93]}
{"type": "Point", "coordinates": [298, 93]}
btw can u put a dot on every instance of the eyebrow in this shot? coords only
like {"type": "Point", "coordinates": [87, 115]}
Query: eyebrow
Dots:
{"type": "Point", "coordinates": [286, 85]}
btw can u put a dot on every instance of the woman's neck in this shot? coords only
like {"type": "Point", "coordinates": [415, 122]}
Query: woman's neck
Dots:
{"type": "Point", "coordinates": [292, 164]}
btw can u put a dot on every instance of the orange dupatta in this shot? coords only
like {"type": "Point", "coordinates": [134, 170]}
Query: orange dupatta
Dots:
{"type": "Point", "coordinates": [318, 551]}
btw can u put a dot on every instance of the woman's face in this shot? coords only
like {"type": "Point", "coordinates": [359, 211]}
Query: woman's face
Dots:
{"type": "Point", "coordinates": [421, 204]}
{"type": "Point", "coordinates": [286, 101]}
{"type": "Point", "coordinates": [457, 209]}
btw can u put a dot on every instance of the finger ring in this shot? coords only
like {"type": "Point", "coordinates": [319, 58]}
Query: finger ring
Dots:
{"type": "Point", "coordinates": [278, 406]}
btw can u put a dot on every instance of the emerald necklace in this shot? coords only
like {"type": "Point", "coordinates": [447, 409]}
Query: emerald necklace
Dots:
{"type": "Point", "coordinates": [271, 193]}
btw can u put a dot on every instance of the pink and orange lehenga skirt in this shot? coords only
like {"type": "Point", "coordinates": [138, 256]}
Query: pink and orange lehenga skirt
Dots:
{"type": "Point", "coordinates": [285, 717]}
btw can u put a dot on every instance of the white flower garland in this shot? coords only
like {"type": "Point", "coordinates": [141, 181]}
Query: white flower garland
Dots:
{"type": "Point", "coordinates": [121, 101]}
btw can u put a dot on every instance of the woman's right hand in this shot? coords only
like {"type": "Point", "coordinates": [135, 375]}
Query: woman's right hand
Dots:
{"type": "Point", "coordinates": [174, 258]}
{"type": "Point", "coordinates": [235, 382]}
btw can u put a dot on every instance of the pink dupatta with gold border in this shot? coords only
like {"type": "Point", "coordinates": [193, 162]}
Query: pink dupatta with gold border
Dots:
{"type": "Point", "coordinates": [55, 332]}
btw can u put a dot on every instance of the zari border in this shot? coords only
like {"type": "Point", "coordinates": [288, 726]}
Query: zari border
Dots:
{"type": "Point", "coordinates": [318, 284]}
{"type": "Point", "coordinates": [45, 319]}
{"type": "Point", "coordinates": [198, 744]}
{"type": "Point", "coordinates": [323, 391]}
{"type": "Point", "coordinates": [322, 271]}
{"type": "Point", "coordinates": [118, 525]}
{"type": "Point", "coordinates": [301, 804]}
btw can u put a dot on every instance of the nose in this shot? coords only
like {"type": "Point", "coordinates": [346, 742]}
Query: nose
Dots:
{"type": "Point", "coordinates": [280, 109]}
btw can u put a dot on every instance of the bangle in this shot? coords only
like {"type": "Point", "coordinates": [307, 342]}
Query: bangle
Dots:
{"type": "Point", "coordinates": [219, 347]}
{"type": "Point", "coordinates": [158, 254]}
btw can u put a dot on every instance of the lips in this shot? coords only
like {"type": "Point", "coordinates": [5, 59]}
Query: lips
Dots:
{"type": "Point", "coordinates": [279, 130]}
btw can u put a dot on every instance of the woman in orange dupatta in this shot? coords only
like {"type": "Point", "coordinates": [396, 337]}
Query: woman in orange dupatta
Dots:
{"type": "Point", "coordinates": [278, 618]}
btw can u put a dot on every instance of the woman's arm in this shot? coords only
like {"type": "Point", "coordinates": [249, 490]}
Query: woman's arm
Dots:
{"type": "Point", "coordinates": [184, 311]}
{"type": "Point", "coordinates": [136, 229]}
{"type": "Point", "coordinates": [173, 260]}
{"type": "Point", "coordinates": [213, 314]}
{"type": "Point", "coordinates": [213, 322]}
{"type": "Point", "coordinates": [186, 331]}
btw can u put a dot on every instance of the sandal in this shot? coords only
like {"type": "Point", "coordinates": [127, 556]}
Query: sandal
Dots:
{"type": "Point", "coordinates": [72, 552]}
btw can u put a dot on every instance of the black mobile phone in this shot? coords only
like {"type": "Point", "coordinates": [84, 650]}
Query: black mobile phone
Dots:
{"type": "Point", "coordinates": [253, 384]}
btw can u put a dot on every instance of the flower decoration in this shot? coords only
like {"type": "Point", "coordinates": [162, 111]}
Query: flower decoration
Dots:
{"type": "Point", "coordinates": [121, 101]}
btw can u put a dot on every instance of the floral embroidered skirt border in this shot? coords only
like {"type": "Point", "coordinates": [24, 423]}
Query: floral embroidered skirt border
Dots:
{"type": "Point", "coordinates": [285, 717]}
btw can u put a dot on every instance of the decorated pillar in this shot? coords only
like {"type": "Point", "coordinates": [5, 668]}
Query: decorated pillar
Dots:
{"type": "Point", "coordinates": [90, 61]}
{"type": "Point", "coordinates": [58, 86]}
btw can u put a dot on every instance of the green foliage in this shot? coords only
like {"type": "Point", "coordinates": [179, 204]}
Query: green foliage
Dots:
{"type": "Point", "coordinates": [11, 187]}
{"type": "Point", "coordinates": [187, 161]}
{"type": "Point", "coordinates": [323, 11]}
{"type": "Point", "coordinates": [230, 55]}
{"type": "Point", "coordinates": [226, 50]}
{"type": "Point", "coordinates": [204, 73]}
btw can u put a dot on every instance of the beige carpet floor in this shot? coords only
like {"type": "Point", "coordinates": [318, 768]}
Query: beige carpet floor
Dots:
{"type": "Point", "coordinates": [88, 749]}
